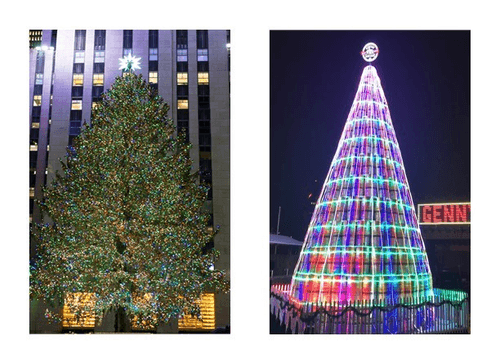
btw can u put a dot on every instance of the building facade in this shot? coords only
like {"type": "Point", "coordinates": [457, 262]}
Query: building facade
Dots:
{"type": "Point", "coordinates": [70, 69]}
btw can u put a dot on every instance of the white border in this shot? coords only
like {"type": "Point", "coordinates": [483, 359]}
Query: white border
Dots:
{"type": "Point", "coordinates": [250, 24]}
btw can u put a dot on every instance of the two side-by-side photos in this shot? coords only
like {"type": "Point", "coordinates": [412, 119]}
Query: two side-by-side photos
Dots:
{"type": "Point", "coordinates": [369, 210]}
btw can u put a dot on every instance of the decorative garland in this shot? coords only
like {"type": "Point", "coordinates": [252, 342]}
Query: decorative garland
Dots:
{"type": "Point", "coordinates": [308, 317]}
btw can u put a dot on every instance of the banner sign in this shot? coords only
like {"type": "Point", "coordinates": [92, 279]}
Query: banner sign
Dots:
{"type": "Point", "coordinates": [444, 213]}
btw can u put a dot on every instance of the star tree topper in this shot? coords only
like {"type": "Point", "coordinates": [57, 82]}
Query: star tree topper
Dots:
{"type": "Point", "coordinates": [129, 63]}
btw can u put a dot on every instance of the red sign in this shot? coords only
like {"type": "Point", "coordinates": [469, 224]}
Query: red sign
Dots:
{"type": "Point", "coordinates": [445, 213]}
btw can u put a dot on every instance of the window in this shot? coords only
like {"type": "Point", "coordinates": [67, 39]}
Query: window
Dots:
{"type": "Point", "coordinates": [37, 90]}
{"type": "Point", "coordinates": [153, 65]}
{"type": "Point", "coordinates": [35, 125]}
{"type": "Point", "coordinates": [39, 79]}
{"type": "Point", "coordinates": [182, 55]}
{"type": "Point", "coordinates": [74, 127]}
{"type": "Point", "coordinates": [98, 79]}
{"type": "Point", "coordinates": [83, 302]}
{"type": "Point", "coordinates": [37, 100]}
{"type": "Point", "coordinates": [99, 57]}
{"type": "Point", "coordinates": [127, 39]}
{"type": "Point", "coordinates": [127, 52]}
{"type": "Point", "coordinates": [153, 77]}
{"type": "Point", "coordinates": [79, 57]}
{"type": "Point", "coordinates": [153, 39]}
{"type": "Point", "coordinates": [77, 91]}
{"type": "Point", "coordinates": [202, 78]}
{"type": "Point", "coordinates": [202, 55]}
{"type": "Point", "coordinates": [182, 91]}
{"type": "Point", "coordinates": [97, 91]}
{"type": "Point", "coordinates": [207, 319]}
{"type": "Point", "coordinates": [182, 104]}
{"type": "Point", "coordinates": [100, 39]}
{"type": "Point", "coordinates": [32, 191]}
{"type": "Point", "coordinates": [35, 38]}
{"type": "Point", "coordinates": [98, 67]}
{"type": "Point", "coordinates": [76, 104]}
{"type": "Point", "coordinates": [33, 148]}
{"type": "Point", "coordinates": [53, 39]}
{"type": "Point", "coordinates": [153, 54]}
{"type": "Point", "coordinates": [181, 38]}
{"type": "Point", "coordinates": [78, 79]}
{"type": "Point", "coordinates": [40, 62]}
{"type": "Point", "coordinates": [182, 78]}
{"type": "Point", "coordinates": [78, 67]}
{"type": "Point", "coordinates": [80, 40]}
{"type": "Point", "coordinates": [144, 324]}
{"type": "Point", "coordinates": [202, 39]}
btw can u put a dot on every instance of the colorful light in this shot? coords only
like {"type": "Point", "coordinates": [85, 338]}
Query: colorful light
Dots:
{"type": "Point", "coordinates": [364, 241]}
{"type": "Point", "coordinates": [129, 232]}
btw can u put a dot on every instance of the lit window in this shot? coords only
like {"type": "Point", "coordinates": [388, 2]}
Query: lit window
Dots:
{"type": "Point", "coordinates": [37, 100]}
{"type": "Point", "coordinates": [78, 79]}
{"type": "Point", "coordinates": [207, 319]}
{"type": "Point", "coordinates": [78, 310]}
{"type": "Point", "coordinates": [182, 55]}
{"type": "Point", "coordinates": [32, 191]}
{"type": "Point", "coordinates": [94, 105]}
{"type": "Point", "coordinates": [33, 148]}
{"type": "Point", "coordinates": [153, 54]}
{"type": "Point", "coordinates": [76, 104]}
{"type": "Point", "coordinates": [35, 125]}
{"type": "Point", "coordinates": [202, 78]}
{"type": "Point", "coordinates": [202, 55]}
{"type": "Point", "coordinates": [39, 79]}
{"type": "Point", "coordinates": [98, 79]}
{"type": "Point", "coordinates": [48, 147]}
{"type": "Point", "coordinates": [79, 57]}
{"type": "Point", "coordinates": [182, 78]}
{"type": "Point", "coordinates": [99, 57]}
{"type": "Point", "coordinates": [143, 324]}
{"type": "Point", "coordinates": [182, 104]}
{"type": "Point", "coordinates": [153, 77]}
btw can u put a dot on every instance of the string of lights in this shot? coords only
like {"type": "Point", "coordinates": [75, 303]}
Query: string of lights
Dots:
{"type": "Point", "coordinates": [128, 231]}
{"type": "Point", "coordinates": [363, 242]}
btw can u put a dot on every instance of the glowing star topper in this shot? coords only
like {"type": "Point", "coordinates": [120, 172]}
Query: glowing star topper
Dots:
{"type": "Point", "coordinates": [129, 63]}
{"type": "Point", "coordinates": [370, 52]}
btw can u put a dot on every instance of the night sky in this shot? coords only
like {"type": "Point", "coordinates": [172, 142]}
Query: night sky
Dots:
{"type": "Point", "coordinates": [314, 77]}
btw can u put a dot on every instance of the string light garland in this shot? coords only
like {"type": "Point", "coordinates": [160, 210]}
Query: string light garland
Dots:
{"type": "Point", "coordinates": [127, 219]}
{"type": "Point", "coordinates": [363, 242]}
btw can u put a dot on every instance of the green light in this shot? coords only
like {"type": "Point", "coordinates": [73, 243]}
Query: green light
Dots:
{"type": "Point", "coordinates": [371, 200]}
{"type": "Point", "coordinates": [369, 179]}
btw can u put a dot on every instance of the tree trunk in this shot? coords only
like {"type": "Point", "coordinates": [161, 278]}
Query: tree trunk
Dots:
{"type": "Point", "coordinates": [122, 323]}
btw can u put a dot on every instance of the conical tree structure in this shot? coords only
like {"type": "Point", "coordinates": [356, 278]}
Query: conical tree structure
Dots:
{"type": "Point", "coordinates": [363, 241]}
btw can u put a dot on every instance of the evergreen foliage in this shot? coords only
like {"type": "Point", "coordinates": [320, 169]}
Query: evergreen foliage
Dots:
{"type": "Point", "coordinates": [127, 219]}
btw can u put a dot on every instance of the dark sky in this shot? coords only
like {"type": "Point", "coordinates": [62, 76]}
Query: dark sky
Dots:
{"type": "Point", "coordinates": [314, 77]}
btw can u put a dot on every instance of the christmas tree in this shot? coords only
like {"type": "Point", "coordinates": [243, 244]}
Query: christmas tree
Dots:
{"type": "Point", "coordinates": [128, 232]}
{"type": "Point", "coordinates": [363, 241]}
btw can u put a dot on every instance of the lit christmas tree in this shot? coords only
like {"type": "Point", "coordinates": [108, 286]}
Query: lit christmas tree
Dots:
{"type": "Point", "coordinates": [128, 231]}
{"type": "Point", "coordinates": [363, 241]}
